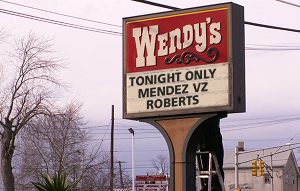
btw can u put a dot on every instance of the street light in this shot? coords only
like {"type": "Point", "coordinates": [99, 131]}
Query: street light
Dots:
{"type": "Point", "coordinates": [133, 179]}
{"type": "Point", "coordinates": [131, 131]}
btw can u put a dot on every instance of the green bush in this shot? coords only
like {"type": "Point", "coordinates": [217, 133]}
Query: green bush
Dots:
{"type": "Point", "coordinates": [59, 183]}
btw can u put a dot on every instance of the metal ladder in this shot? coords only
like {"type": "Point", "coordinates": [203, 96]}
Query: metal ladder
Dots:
{"type": "Point", "coordinates": [212, 158]}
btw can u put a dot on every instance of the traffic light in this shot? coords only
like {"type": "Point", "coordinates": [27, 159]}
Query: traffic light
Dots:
{"type": "Point", "coordinates": [261, 168]}
{"type": "Point", "coordinates": [254, 168]}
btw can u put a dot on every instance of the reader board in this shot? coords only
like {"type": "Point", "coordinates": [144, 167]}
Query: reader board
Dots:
{"type": "Point", "coordinates": [151, 183]}
{"type": "Point", "coordinates": [184, 62]}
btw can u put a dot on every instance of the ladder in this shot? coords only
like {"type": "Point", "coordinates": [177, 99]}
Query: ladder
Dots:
{"type": "Point", "coordinates": [204, 174]}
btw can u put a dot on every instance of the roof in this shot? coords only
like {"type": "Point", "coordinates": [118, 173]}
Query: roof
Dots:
{"type": "Point", "coordinates": [279, 159]}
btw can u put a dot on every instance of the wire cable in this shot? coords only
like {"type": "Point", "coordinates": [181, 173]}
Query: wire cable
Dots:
{"type": "Point", "coordinates": [60, 14]}
{"type": "Point", "coordinates": [246, 22]}
{"type": "Point", "coordinates": [270, 47]}
{"type": "Point", "coordinates": [289, 3]}
{"type": "Point", "coordinates": [272, 27]}
{"type": "Point", "coordinates": [60, 23]}
{"type": "Point", "coordinates": [258, 124]}
{"type": "Point", "coordinates": [280, 46]}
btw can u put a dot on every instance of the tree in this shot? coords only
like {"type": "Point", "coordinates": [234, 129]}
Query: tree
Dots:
{"type": "Point", "coordinates": [58, 142]}
{"type": "Point", "coordinates": [161, 163]}
{"type": "Point", "coordinates": [98, 176]}
{"type": "Point", "coordinates": [53, 143]}
{"type": "Point", "coordinates": [25, 94]}
{"type": "Point", "coordinates": [4, 34]}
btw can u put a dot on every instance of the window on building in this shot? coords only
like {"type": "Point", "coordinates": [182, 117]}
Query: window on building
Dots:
{"type": "Point", "coordinates": [293, 179]}
{"type": "Point", "coordinates": [267, 179]}
{"type": "Point", "coordinates": [287, 178]}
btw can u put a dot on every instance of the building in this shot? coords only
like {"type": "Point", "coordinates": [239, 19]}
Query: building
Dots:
{"type": "Point", "coordinates": [285, 170]}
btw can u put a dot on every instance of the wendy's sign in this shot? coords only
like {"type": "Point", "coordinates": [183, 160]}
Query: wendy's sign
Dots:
{"type": "Point", "coordinates": [184, 62]}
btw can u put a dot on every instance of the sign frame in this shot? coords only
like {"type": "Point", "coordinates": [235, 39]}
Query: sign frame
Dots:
{"type": "Point", "coordinates": [236, 63]}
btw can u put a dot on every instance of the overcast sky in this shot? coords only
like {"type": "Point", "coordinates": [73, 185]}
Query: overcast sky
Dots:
{"type": "Point", "coordinates": [95, 70]}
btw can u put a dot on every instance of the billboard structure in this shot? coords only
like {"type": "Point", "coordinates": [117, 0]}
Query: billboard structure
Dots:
{"type": "Point", "coordinates": [184, 62]}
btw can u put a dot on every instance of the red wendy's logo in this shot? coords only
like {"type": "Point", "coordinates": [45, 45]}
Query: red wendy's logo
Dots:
{"type": "Point", "coordinates": [177, 41]}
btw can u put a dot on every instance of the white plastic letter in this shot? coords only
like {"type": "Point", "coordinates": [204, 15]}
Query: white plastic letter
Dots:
{"type": "Point", "coordinates": [145, 42]}
{"type": "Point", "coordinates": [200, 39]}
{"type": "Point", "coordinates": [163, 49]}
{"type": "Point", "coordinates": [215, 37]}
{"type": "Point", "coordinates": [188, 35]}
{"type": "Point", "coordinates": [175, 33]}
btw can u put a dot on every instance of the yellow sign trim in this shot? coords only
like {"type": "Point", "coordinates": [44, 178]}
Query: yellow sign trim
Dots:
{"type": "Point", "coordinates": [176, 15]}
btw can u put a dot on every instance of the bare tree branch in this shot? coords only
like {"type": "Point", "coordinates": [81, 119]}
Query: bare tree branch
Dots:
{"type": "Point", "coordinates": [161, 163]}
{"type": "Point", "coordinates": [4, 34]}
{"type": "Point", "coordinates": [27, 94]}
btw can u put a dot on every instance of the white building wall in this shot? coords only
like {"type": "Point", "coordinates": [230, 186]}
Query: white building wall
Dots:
{"type": "Point", "coordinates": [289, 176]}
{"type": "Point", "coordinates": [248, 182]}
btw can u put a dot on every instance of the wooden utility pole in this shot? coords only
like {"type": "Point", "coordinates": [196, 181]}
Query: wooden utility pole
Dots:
{"type": "Point", "coordinates": [121, 175]}
{"type": "Point", "coordinates": [112, 150]}
{"type": "Point", "coordinates": [133, 178]}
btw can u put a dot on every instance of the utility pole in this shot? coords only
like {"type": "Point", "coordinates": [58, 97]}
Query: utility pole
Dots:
{"type": "Point", "coordinates": [272, 178]}
{"type": "Point", "coordinates": [121, 175]}
{"type": "Point", "coordinates": [112, 149]}
{"type": "Point", "coordinates": [236, 169]}
{"type": "Point", "coordinates": [133, 175]}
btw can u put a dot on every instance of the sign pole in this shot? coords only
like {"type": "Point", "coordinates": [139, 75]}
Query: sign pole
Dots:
{"type": "Point", "coordinates": [181, 135]}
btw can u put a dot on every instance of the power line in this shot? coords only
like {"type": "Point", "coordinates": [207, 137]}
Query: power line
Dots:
{"type": "Point", "coordinates": [264, 149]}
{"type": "Point", "coordinates": [271, 47]}
{"type": "Point", "coordinates": [106, 31]}
{"type": "Point", "coordinates": [274, 147]}
{"type": "Point", "coordinates": [263, 118]}
{"type": "Point", "coordinates": [157, 4]}
{"type": "Point", "coordinates": [142, 151]}
{"type": "Point", "coordinates": [123, 133]}
{"type": "Point", "coordinates": [92, 127]}
{"type": "Point", "coordinates": [246, 22]}
{"type": "Point", "coordinates": [280, 46]}
{"type": "Point", "coordinates": [61, 14]}
{"type": "Point", "coordinates": [271, 122]}
{"type": "Point", "coordinates": [105, 132]}
{"type": "Point", "coordinates": [95, 139]}
{"type": "Point", "coordinates": [224, 128]}
{"type": "Point", "coordinates": [65, 24]}
{"type": "Point", "coordinates": [272, 27]}
{"type": "Point", "coordinates": [80, 27]}
{"type": "Point", "coordinates": [258, 140]}
{"type": "Point", "coordinates": [259, 124]}
{"type": "Point", "coordinates": [289, 3]}
{"type": "Point", "coordinates": [142, 124]}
